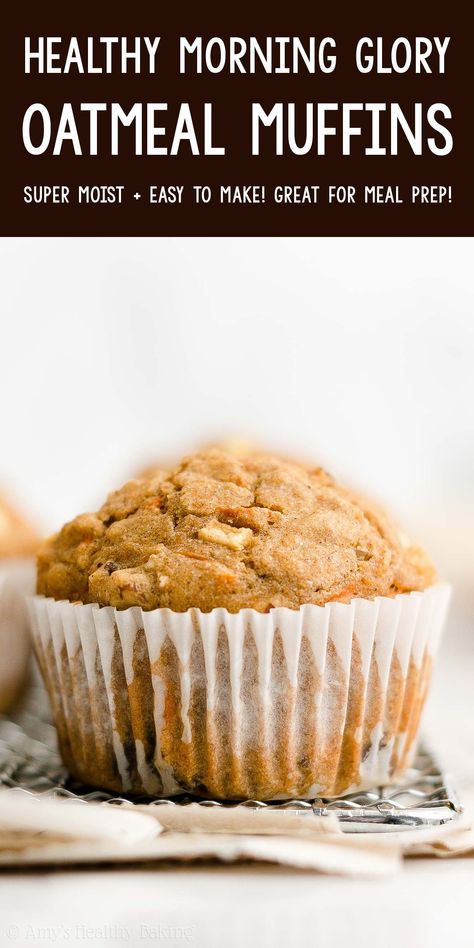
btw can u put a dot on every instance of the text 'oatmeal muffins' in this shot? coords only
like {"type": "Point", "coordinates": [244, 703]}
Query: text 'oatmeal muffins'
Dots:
{"type": "Point", "coordinates": [236, 627]}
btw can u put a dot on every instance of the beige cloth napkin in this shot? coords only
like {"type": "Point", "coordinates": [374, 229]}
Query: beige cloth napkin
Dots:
{"type": "Point", "coordinates": [39, 831]}
{"type": "Point", "coordinates": [36, 831]}
{"type": "Point", "coordinates": [455, 838]}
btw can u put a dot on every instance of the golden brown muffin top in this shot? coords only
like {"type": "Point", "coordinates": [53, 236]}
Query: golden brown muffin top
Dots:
{"type": "Point", "coordinates": [17, 537]}
{"type": "Point", "coordinates": [218, 530]}
{"type": "Point", "coordinates": [240, 447]}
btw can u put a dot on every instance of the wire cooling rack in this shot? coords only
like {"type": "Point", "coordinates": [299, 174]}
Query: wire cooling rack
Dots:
{"type": "Point", "coordinates": [29, 761]}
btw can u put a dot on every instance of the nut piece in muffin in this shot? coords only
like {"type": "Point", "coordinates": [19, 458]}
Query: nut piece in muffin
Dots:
{"type": "Point", "coordinates": [235, 532]}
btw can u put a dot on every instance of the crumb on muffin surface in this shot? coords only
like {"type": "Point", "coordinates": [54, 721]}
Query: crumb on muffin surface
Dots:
{"type": "Point", "coordinates": [222, 531]}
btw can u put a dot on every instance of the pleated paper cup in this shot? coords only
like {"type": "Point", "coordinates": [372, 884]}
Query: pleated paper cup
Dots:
{"type": "Point", "coordinates": [17, 580]}
{"type": "Point", "coordinates": [294, 703]}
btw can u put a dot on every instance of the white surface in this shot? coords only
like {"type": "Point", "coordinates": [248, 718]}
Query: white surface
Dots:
{"type": "Point", "coordinates": [429, 906]}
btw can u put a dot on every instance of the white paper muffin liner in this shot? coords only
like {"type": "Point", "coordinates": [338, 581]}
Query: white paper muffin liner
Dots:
{"type": "Point", "coordinates": [17, 580]}
{"type": "Point", "coordinates": [293, 703]}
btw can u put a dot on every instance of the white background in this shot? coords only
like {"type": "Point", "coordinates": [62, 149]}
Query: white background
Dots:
{"type": "Point", "coordinates": [358, 353]}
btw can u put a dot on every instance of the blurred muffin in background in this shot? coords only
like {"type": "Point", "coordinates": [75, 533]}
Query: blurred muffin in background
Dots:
{"type": "Point", "coordinates": [17, 535]}
{"type": "Point", "coordinates": [18, 544]}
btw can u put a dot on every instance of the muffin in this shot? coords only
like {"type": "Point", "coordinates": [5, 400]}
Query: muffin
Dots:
{"type": "Point", "coordinates": [18, 545]}
{"type": "Point", "coordinates": [238, 446]}
{"type": "Point", "coordinates": [237, 627]}
{"type": "Point", "coordinates": [17, 537]}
